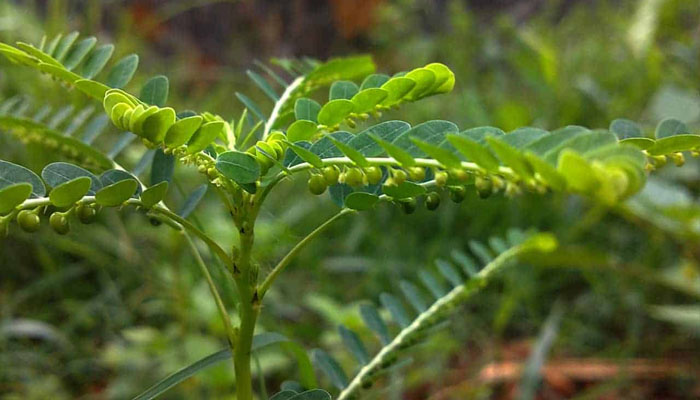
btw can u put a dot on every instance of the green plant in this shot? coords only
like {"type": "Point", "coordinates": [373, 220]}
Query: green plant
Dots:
{"type": "Point", "coordinates": [244, 160]}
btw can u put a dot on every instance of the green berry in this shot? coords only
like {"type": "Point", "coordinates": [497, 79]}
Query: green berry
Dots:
{"type": "Point", "coordinates": [408, 205]}
{"type": "Point", "coordinates": [484, 187]}
{"type": "Point", "coordinates": [59, 223]}
{"type": "Point", "coordinates": [440, 178]}
{"type": "Point", "coordinates": [29, 221]}
{"type": "Point", "coordinates": [457, 194]}
{"type": "Point", "coordinates": [399, 176]}
{"type": "Point", "coordinates": [331, 175]}
{"type": "Point", "coordinates": [317, 184]}
{"type": "Point", "coordinates": [86, 213]}
{"type": "Point", "coordinates": [417, 174]}
{"type": "Point", "coordinates": [432, 201]}
{"type": "Point", "coordinates": [354, 177]}
{"type": "Point", "coordinates": [373, 174]}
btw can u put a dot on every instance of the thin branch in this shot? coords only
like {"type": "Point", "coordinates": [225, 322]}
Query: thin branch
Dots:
{"type": "Point", "coordinates": [279, 104]}
{"type": "Point", "coordinates": [296, 249]}
{"type": "Point", "coordinates": [214, 292]}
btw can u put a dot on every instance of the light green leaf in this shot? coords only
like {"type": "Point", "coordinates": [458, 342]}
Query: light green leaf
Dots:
{"type": "Point", "coordinates": [204, 136]}
{"type": "Point", "coordinates": [547, 172]}
{"type": "Point", "coordinates": [402, 156]}
{"type": "Point", "coordinates": [301, 130]}
{"type": "Point", "coordinates": [182, 130]}
{"type": "Point", "coordinates": [424, 79]}
{"type": "Point", "coordinates": [444, 78]}
{"type": "Point", "coordinates": [67, 193]}
{"type": "Point", "coordinates": [116, 193]}
{"type": "Point", "coordinates": [117, 175]}
{"type": "Point", "coordinates": [334, 112]}
{"type": "Point", "coordinates": [577, 171]}
{"type": "Point", "coordinates": [122, 72]}
{"type": "Point", "coordinates": [40, 55]}
{"type": "Point", "coordinates": [367, 99]}
{"type": "Point", "coordinates": [12, 174]}
{"type": "Point", "coordinates": [397, 87]}
{"type": "Point", "coordinates": [13, 195]}
{"type": "Point", "coordinates": [474, 152]}
{"type": "Point", "coordinates": [351, 153]}
{"type": "Point", "coordinates": [306, 155]}
{"type": "Point", "coordinates": [361, 201]}
{"type": "Point", "coordinates": [345, 68]}
{"type": "Point", "coordinates": [154, 194]}
{"type": "Point", "coordinates": [91, 88]}
{"type": "Point", "coordinates": [675, 143]}
{"type": "Point", "coordinates": [403, 191]}
{"type": "Point", "coordinates": [641, 143]}
{"type": "Point", "coordinates": [510, 157]}
{"type": "Point", "coordinates": [241, 168]}
{"type": "Point", "coordinates": [59, 72]}
{"type": "Point", "coordinates": [156, 125]}
{"type": "Point", "coordinates": [444, 156]}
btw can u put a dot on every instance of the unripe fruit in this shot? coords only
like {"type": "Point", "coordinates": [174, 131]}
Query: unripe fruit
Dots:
{"type": "Point", "coordinates": [212, 173]}
{"type": "Point", "coordinates": [399, 176]}
{"type": "Point", "coordinates": [460, 175]}
{"type": "Point", "coordinates": [353, 177]}
{"type": "Point", "coordinates": [86, 213]}
{"type": "Point", "coordinates": [408, 205]}
{"type": "Point", "coordinates": [416, 173]}
{"type": "Point", "coordinates": [457, 194]}
{"type": "Point", "coordinates": [440, 178]}
{"type": "Point", "coordinates": [29, 221]}
{"type": "Point", "coordinates": [331, 174]}
{"type": "Point", "coordinates": [484, 187]}
{"type": "Point", "coordinates": [59, 223]}
{"type": "Point", "coordinates": [317, 184]}
{"type": "Point", "coordinates": [373, 174]}
{"type": "Point", "coordinates": [432, 201]}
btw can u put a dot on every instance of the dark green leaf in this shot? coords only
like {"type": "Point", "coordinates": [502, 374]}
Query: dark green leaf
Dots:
{"type": "Point", "coordinates": [155, 91]}
{"type": "Point", "coordinates": [404, 191]}
{"type": "Point", "coordinates": [116, 193]}
{"type": "Point", "coordinates": [12, 174]}
{"type": "Point", "coordinates": [96, 61]}
{"type": "Point", "coordinates": [436, 288]}
{"type": "Point", "coordinates": [481, 251]}
{"type": "Point", "coordinates": [670, 127]}
{"type": "Point", "coordinates": [431, 132]}
{"type": "Point", "coordinates": [313, 394]}
{"type": "Point", "coordinates": [60, 172]}
{"type": "Point", "coordinates": [474, 152]}
{"type": "Point", "coordinates": [624, 128]}
{"type": "Point", "coordinates": [342, 90]}
{"type": "Point", "coordinates": [263, 85]}
{"type": "Point", "coordinates": [192, 201]}
{"type": "Point", "coordinates": [78, 52]}
{"type": "Point", "coordinates": [449, 272]}
{"type": "Point", "coordinates": [396, 309]}
{"type": "Point", "coordinates": [374, 81]}
{"type": "Point", "coordinates": [162, 168]}
{"type": "Point", "coordinates": [413, 295]}
{"type": "Point", "coordinates": [330, 367]}
{"type": "Point", "coordinates": [240, 167]}
{"type": "Point", "coordinates": [374, 322]}
{"type": "Point", "coordinates": [122, 72]}
{"type": "Point", "coordinates": [353, 343]}
{"type": "Point", "coordinates": [306, 155]}
{"type": "Point", "coordinates": [387, 131]}
{"type": "Point", "coordinates": [306, 109]}
{"type": "Point", "coordinates": [250, 104]}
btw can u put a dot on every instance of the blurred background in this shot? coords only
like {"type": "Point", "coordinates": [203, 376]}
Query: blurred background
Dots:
{"type": "Point", "coordinates": [108, 310]}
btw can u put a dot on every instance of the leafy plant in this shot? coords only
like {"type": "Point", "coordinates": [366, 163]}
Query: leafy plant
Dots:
{"type": "Point", "coordinates": [341, 144]}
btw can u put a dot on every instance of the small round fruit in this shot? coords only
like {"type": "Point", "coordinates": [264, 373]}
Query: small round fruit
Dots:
{"type": "Point", "coordinates": [440, 178]}
{"type": "Point", "coordinates": [331, 175]}
{"type": "Point", "coordinates": [399, 176]}
{"type": "Point", "coordinates": [408, 205]}
{"type": "Point", "coordinates": [29, 221]}
{"type": "Point", "coordinates": [373, 174]}
{"type": "Point", "coordinates": [484, 187]}
{"type": "Point", "coordinates": [353, 177]}
{"type": "Point", "coordinates": [457, 194]}
{"type": "Point", "coordinates": [59, 223]}
{"type": "Point", "coordinates": [432, 201]}
{"type": "Point", "coordinates": [317, 184]}
{"type": "Point", "coordinates": [86, 213]}
{"type": "Point", "coordinates": [417, 174]}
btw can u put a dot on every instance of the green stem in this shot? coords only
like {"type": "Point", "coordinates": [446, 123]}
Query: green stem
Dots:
{"type": "Point", "coordinates": [296, 249]}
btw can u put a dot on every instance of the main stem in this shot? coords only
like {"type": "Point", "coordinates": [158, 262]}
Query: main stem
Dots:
{"type": "Point", "coordinates": [245, 276]}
